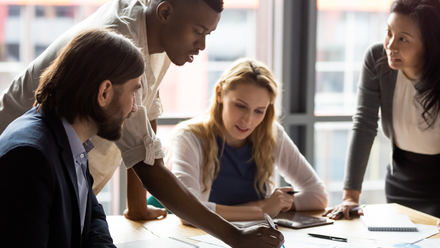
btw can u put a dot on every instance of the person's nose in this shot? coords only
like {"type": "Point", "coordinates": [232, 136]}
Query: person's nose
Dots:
{"type": "Point", "coordinates": [201, 43]}
{"type": "Point", "coordinates": [246, 118]}
{"type": "Point", "coordinates": [392, 45]}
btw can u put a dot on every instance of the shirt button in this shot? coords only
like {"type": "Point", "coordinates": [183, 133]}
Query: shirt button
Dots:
{"type": "Point", "coordinates": [82, 155]}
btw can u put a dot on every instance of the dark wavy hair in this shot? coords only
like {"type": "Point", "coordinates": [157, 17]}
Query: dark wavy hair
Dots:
{"type": "Point", "coordinates": [70, 85]}
{"type": "Point", "coordinates": [426, 14]}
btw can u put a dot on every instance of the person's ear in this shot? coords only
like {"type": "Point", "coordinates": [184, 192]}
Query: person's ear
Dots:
{"type": "Point", "coordinates": [218, 93]}
{"type": "Point", "coordinates": [105, 93]}
{"type": "Point", "coordinates": [163, 11]}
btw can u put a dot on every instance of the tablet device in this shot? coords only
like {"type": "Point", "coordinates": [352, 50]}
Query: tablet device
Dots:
{"type": "Point", "coordinates": [297, 220]}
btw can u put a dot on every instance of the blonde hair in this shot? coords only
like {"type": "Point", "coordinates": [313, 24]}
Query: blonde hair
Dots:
{"type": "Point", "coordinates": [263, 138]}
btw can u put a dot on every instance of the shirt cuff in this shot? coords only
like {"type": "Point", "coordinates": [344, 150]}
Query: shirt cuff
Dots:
{"type": "Point", "coordinates": [147, 152]}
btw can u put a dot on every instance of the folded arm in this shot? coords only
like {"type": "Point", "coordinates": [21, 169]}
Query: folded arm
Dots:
{"type": "Point", "coordinates": [99, 235]}
{"type": "Point", "coordinates": [26, 189]}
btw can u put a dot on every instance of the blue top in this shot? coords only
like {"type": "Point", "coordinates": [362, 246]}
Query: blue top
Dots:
{"type": "Point", "coordinates": [235, 181]}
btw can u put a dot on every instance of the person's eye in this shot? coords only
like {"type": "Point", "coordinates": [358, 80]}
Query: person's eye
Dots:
{"type": "Point", "coordinates": [259, 112]}
{"type": "Point", "coordinates": [403, 39]}
{"type": "Point", "coordinates": [198, 32]}
{"type": "Point", "coordinates": [240, 106]}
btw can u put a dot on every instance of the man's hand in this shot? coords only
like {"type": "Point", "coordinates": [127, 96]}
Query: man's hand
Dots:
{"type": "Point", "coordinates": [259, 236]}
{"type": "Point", "coordinates": [148, 213]}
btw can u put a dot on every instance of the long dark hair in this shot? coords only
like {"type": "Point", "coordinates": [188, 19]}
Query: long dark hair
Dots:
{"type": "Point", "coordinates": [426, 14]}
{"type": "Point", "coordinates": [70, 85]}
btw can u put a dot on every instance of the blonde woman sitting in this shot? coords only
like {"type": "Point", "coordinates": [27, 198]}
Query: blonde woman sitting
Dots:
{"type": "Point", "coordinates": [228, 157]}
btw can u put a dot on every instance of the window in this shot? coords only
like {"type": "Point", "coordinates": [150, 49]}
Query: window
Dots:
{"type": "Point", "coordinates": [28, 27]}
{"type": "Point", "coordinates": [344, 31]}
{"type": "Point", "coordinates": [319, 83]}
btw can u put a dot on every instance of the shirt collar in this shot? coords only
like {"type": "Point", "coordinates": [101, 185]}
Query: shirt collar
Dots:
{"type": "Point", "coordinates": [75, 143]}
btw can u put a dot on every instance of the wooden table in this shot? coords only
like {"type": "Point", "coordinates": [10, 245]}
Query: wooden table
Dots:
{"type": "Point", "coordinates": [124, 230]}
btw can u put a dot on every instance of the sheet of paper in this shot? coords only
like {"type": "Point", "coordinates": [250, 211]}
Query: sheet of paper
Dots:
{"type": "Point", "coordinates": [299, 239]}
{"type": "Point", "coordinates": [205, 245]}
{"type": "Point", "coordinates": [428, 243]}
{"type": "Point", "coordinates": [292, 239]}
{"type": "Point", "coordinates": [210, 240]}
{"type": "Point", "coordinates": [424, 231]}
{"type": "Point", "coordinates": [248, 223]}
{"type": "Point", "coordinates": [163, 243]}
{"type": "Point", "coordinates": [356, 245]}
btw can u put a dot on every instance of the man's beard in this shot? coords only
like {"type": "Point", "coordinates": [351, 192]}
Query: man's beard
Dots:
{"type": "Point", "coordinates": [111, 127]}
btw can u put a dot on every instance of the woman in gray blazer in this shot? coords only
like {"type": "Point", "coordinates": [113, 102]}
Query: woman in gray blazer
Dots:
{"type": "Point", "coordinates": [401, 78]}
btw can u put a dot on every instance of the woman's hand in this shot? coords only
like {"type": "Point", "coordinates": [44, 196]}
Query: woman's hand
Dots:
{"type": "Point", "coordinates": [279, 201]}
{"type": "Point", "coordinates": [350, 200]}
{"type": "Point", "coordinates": [438, 225]}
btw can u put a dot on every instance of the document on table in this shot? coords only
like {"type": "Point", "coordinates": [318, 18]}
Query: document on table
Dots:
{"type": "Point", "coordinates": [292, 239]}
{"type": "Point", "coordinates": [163, 243]}
{"type": "Point", "coordinates": [426, 243]}
{"type": "Point", "coordinates": [247, 223]}
{"type": "Point", "coordinates": [423, 232]}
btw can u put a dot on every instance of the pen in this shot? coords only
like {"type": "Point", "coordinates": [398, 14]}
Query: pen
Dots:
{"type": "Point", "coordinates": [292, 192]}
{"type": "Point", "coordinates": [271, 224]}
{"type": "Point", "coordinates": [327, 237]}
{"type": "Point", "coordinates": [193, 245]}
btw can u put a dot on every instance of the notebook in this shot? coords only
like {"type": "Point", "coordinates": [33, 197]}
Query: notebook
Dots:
{"type": "Point", "coordinates": [389, 223]}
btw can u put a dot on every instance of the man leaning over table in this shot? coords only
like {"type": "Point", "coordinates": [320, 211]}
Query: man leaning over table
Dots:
{"type": "Point", "coordinates": [165, 30]}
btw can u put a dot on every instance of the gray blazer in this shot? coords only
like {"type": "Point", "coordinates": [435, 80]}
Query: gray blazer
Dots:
{"type": "Point", "coordinates": [375, 91]}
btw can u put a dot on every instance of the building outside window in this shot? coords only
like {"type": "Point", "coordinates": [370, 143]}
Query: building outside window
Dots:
{"type": "Point", "coordinates": [345, 28]}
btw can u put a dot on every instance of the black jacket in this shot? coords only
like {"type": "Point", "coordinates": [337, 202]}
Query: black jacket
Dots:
{"type": "Point", "coordinates": [38, 188]}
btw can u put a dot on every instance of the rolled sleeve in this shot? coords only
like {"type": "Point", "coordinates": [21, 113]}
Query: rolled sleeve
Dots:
{"type": "Point", "coordinates": [138, 141]}
{"type": "Point", "coordinates": [297, 171]}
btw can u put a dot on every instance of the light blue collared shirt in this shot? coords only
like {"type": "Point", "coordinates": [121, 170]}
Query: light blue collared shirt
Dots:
{"type": "Point", "coordinates": [80, 157]}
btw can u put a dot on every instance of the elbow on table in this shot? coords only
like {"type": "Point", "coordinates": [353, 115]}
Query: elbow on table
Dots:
{"type": "Point", "coordinates": [185, 223]}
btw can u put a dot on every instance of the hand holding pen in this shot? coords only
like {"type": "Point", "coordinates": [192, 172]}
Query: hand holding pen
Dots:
{"type": "Point", "coordinates": [281, 200]}
{"type": "Point", "coordinates": [271, 224]}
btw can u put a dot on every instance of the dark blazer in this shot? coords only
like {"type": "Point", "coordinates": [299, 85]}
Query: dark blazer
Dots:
{"type": "Point", "coordinates": [38, 188]}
